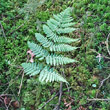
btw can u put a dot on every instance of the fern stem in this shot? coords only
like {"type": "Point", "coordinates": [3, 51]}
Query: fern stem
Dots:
{"type": "Point", "coordinates": [57, 107]}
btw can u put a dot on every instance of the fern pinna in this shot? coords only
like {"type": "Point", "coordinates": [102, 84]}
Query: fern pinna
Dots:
{"type": "Point", "coordinates": [48, 47]}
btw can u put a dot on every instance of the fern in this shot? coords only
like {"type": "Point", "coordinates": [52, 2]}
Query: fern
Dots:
{"type": "Point", "coordinates": [30, 7]}
{"type": "Point", "coordinates": [48, 46]}
{"type": "Point", "coordinates": [31, 68]}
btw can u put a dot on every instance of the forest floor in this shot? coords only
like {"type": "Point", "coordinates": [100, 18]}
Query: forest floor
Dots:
{"type": "Point", "coordinates": [89, 79]}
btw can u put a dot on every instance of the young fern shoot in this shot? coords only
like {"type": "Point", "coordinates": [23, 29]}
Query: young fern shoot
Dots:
{"type": "Point", "coordinates": [54, 41]}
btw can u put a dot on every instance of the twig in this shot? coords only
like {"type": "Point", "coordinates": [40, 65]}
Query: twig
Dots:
{"type": "Point", "coordinates": [3, 30]}
{"type": "Point", "coordinates": [60, 92]}
{"type": "Point", "coordinates": [61, 85]}
{"type": "Point", "coordinates": [21, 84]}
{"type": "Point", "coordinates": [97, 99]}
{"type": "Point", "coordinates": [66, 83]}
{"type": "Point", "coordinates": [9, 104]}
{"type": "Point", "coordinates": [22, 78]}
{"type": "Point", "coordinates": [16, 29]}
{"type": "Point", "coordinates": [11, 82]}
{"type": "Point", "coordinates": [16, 66]}
{"type": "Point", "coordinates": [102, 82]}
{"type": "Point", "coordinates": [107, 46]}
{"type": "Point", "coordinates": [48, 101]}
{"type": "Point", "coordinates": [99, 53]}
{"type": "Point", "coordinates": [57, 107]}
{"type": "Point", "coordinates": [2, 95]}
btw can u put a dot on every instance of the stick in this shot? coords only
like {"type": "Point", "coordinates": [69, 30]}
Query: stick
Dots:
{"type": "Point", "coordinates": [96, 99]}
{"type": "Point", "coordinates": [60, 91]}
{"type": "Point", "coordinates": [3, 30]}
{"type": "Point", "coordinates": [16, 29]}
{"type": "Point", "coordinates": [102, 82]}
{"type": "Point", "coordinates": [107, 44]}
{"type": "Point", "coordinates": [12, 81]}
{"type": "Point", "coordinates": [99, 53]}
{"type": "Point", "coordinates": [21, 84]}
{"type": "Point", "coordinates": [48, 101]}
{"type": "Point", "coordinates": [60, 94]}
{"type": "Point", "coordinates": [57, 107]}
{"type": "Point", "coordinates": [22, 78]}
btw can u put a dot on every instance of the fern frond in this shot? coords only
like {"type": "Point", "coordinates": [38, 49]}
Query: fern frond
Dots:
{"type": "Point", "coordinates": [56, 38]}
{"type": "Point", "coordinates": [64, 39]}
{"type": "Point", "coordinates": [31, 6]}
{"type": "Point", "coordinates": [43, 40]}
{"type": "Point", "coordinates": [63, 20]}
{"type": "Point", "coordinates": [48, 31]}
{"type": "Point", "coordinates": [55, 27]}
{"type": "Point", "coordinates": [62, 48]}
{"type": "Point", "coordinates": [53, 21]}
{"type": "Point", "coordinates": [64, 17]}
{"type": "Point", "coordinates": [50, 34]}
{"type": "Point", "coordinates": [53, 47]}
{"type": "Point", "coordinates": [65, 30]}
{"type": "Point", "coordinates": [37, 50]}
{"type": "Point", "coordinates": [31, 68]}
{"type": "Point", "coordinates": [56, 60]}
{"type": "Point", "coordinates": [67, 25]}
{"type": "Point", "coordinates": [52, 26]}
{"type": "Point", "coordinates": [49, 75]}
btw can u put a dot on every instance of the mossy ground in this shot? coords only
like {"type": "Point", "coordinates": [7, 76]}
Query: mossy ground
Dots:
{"type": "Point", "coordinates": [92, 21]}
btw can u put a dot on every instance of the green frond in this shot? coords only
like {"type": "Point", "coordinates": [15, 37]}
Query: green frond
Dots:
{"type": "Point", "coordinates": [50, 34]}
{"type": "Point", "coordinates": [65, 30]}
{"type": "Point", "coordinates": [67, 25]}
{"type": "Point", "coordinates": [52, 26]}
{"type": "Point", "coordinates": [62, 48]}
{"type": "Point", "coordinates": [60, 24]}
{"type": "Point", "coordinates": [43, 40]}
{"type": "Point", "coordinates": [31, 68]}
{"type": "Point", "coordinates": [64, 39]}
{"type": "Point", "coordinates": [64, 17]}
{"type": "Point", "coordinates": [46, 74]}
{"type": "Point", "coordinates": [67, 11]}
{"type": "Point", "coordinates": [53, 21]}
{"type": "Point", "coordinates": [56, 38]}
{"type": "Point", "coordinates": [56, 60]}
{"type": "Point", "coordinates": [37, 50]}
{"type": "Point", "coordinates": [58, 18]}
{"type": "Point", "coordinates": [53, 47]}
{"type": "Point", "coordinates": [47, 31]}
{"type": "Point", "coordinates": [50, 75]}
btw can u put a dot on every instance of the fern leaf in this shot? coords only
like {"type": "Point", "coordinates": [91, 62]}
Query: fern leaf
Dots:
{"type": "Point", "coordinates": [62, 48]}
{"type": "Point", "coordinates": [53, 21]}
{"type": "Point", "coordinates": [53, 47]}
{"type": "Point", "coordinates": [67, 25]}
{"type": "Point", "coordinates": [52, 26]}
{"type": "Point", "coordinates": [64, 39]}
{"type": "Point", "coordinates": [50, 34]}
{"type": "Point", "coordinates": [37, 50]}
{"type": "Point", "coordinates": [31, 68]}
{"type": "Point", "coordinates": [58, 17]}
{"type": "Point", "coordinates": [47, 30]}
{"type": "Point", "coordinates": [43, 40]}
{"type": "Point", "coordinates": [49, 75]}
{"type": "Point", "coordinates": [65, 30]}
{"type": "Point", "coordinates": [56, 60]}
{"type": "Point", "coordinates": [60, 24]}
{"type": "Point", "coordinates": [64, 17]}
{"type": "Point", "coordinates": [53, 36]}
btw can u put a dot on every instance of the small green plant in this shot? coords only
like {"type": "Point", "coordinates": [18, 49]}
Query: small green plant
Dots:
{"type": "Point", "coordinates": [31, 7]}
{"type": "Point", "coordinates": [48, 50]}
